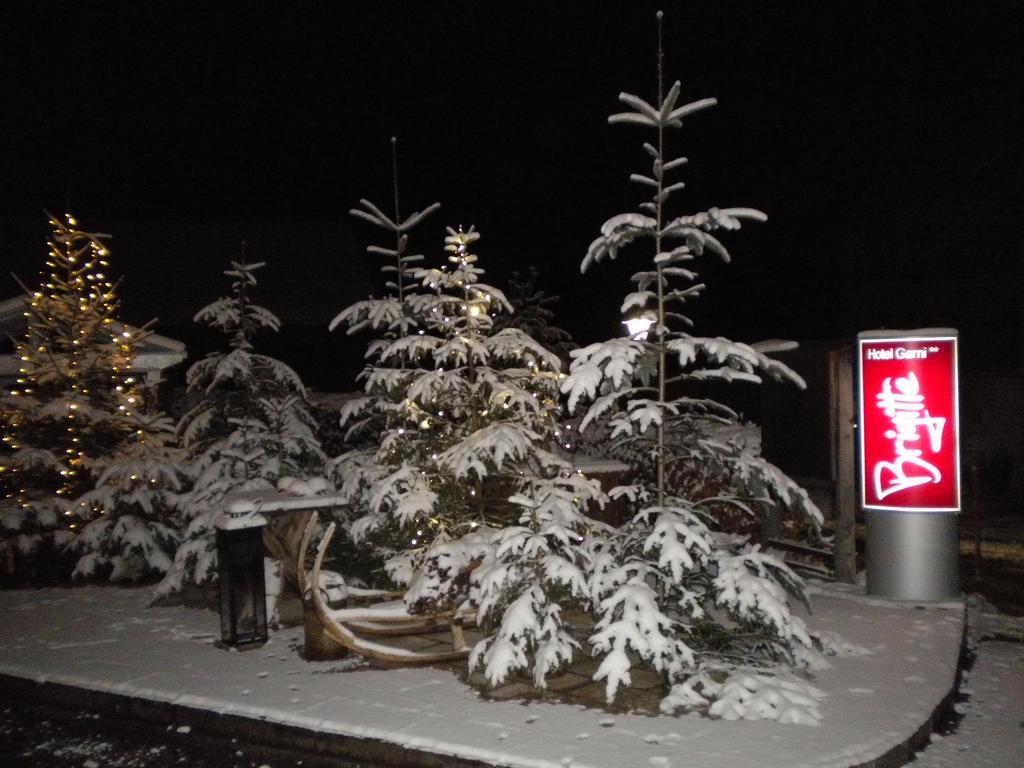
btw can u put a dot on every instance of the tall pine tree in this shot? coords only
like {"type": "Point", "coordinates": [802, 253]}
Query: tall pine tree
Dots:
{"type": "Point", "coordinates": [671, 588]}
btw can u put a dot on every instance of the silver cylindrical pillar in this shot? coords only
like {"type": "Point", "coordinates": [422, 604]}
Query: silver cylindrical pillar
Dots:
{"type": "Point", "coordinates": [913, 555]}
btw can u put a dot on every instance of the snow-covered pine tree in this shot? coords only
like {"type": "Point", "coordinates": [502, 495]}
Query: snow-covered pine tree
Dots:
{"type": "Point", "coordinates": [534, 314]}
{"type": "Point", "coordinates": [670, 589]}
{"type": "Point", "coordinates": [75, 397]}
{"type": "Point", "coordinates": [466, 480]}
{"type": "Point", "coordinates": [251, 427]}
{"type": "Point", "coordinates": [389, 317]}
{"type": "Point", "coordinates": [139, 497]}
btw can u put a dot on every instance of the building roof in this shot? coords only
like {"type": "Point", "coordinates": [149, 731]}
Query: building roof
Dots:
{"type": "Point", "coordinates": [154, 353]}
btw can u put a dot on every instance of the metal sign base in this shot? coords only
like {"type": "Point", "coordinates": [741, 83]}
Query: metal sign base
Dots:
{"type": "Point", "coordinates": [913, 555]}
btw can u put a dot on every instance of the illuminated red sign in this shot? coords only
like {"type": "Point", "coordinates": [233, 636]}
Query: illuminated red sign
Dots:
{"type": "Point", "coordinates": [909, 427]}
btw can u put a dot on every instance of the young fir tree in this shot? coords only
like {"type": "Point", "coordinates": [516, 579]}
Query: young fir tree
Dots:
{"type": "Point", "coordinates": [671, 589]}
{"type": "Point", "coordinates": [389, 317]}
{"type": "Point", "coordinates": [534, 314]}
{"type": "Point", "coordinates": [75, 398]}
{"type": "Point", "coordinates": [251, 426]}
{"type": "Point", "coordinates": [465, 475]}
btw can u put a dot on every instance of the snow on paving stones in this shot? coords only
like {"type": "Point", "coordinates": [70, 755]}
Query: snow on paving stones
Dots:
{"type": "Point", "coordinates": [896, 663]}
{"type": "Point", "coordinates": [992, 729]}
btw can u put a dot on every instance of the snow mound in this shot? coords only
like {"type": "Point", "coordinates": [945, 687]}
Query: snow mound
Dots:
{"type": "Point", "coordinates": [310, 486]}
{"type": "Point", "coordinates": [750, 695]}
{"type": "Point", "coordinates": [833, 644]}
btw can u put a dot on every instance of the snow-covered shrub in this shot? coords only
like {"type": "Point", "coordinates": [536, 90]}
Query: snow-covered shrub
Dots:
{"type": "Point", "coordinates": [749, 694]}
{"type": "Point", "coordinates": [671, 588]}
{"type": "Point", "coordinates": [251, 426]}
{"type": "Point", "coordinates": [533, 572]}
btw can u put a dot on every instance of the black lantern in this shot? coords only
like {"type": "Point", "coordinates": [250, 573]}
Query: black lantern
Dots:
{"type": "Point", "coordinates": [243, 590]}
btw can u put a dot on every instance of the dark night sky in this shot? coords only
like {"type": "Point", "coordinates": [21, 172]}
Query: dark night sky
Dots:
{"type": "Point", "coordinates": [883, 139]}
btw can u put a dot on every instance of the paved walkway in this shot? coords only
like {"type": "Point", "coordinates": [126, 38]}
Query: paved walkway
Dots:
{"type": "Point", "coordinates": [897, 666]}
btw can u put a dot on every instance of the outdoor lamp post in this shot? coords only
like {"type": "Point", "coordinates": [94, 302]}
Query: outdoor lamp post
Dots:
{"type": "Point", "coordinates": [637, 328]}
{"type": "Point", "coordinates": [243, 591]}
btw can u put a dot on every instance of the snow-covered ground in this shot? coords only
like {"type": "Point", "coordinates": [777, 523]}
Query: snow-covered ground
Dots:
{"type": "Point", "coordinates": [898, 663]}
{"type": "Point", "coordinates": [991, 733]}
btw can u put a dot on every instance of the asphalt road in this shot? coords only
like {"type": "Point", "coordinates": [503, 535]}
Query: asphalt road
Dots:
{"type": "Point", "coordinates": [36, 736]}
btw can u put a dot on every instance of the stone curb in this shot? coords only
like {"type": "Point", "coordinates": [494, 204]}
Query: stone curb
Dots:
{"type": "Point", "coordinates": [903, 753]}
{"type": "Point", "coordinates": [225, 726]}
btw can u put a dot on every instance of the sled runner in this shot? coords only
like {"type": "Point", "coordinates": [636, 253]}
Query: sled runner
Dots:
{"type": "Point", "coordinates": [360, 628]}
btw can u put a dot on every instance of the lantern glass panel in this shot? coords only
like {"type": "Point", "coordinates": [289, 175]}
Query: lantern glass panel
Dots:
{"type": "Point", "coordinates": [243, 606]}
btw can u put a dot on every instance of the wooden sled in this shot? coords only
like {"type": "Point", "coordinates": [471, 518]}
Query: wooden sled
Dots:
{"type": "Point", "coordinates": [353, 628]}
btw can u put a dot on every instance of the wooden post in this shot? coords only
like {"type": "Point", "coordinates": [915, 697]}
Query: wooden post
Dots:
{"type": "Point", "coordinates": [844, 421]}
{"type": "Point", "coordinates": [976, 510]}
{"type": "Point", "coordinates": [318, 645]}
{"type": "Point", "coordinates": [458, 636]}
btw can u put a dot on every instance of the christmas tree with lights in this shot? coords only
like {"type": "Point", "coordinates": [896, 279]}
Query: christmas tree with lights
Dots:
{"type": "Point", "coordinates": [251, 427]}
{"type": "Point", "coordinates": [673, 589]}
{"type": "Point", "coordinates": [75, 400]}
{"type": "Point", "coordinates": [386, 318]}
{"type": "Point", "coordinates": [466, 492]}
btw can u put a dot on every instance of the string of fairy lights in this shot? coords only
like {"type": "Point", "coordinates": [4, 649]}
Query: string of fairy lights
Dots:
{"type": "Point", "coordinates": [428, 424]}
{"type": "Point", "coordinates": [75, 365]}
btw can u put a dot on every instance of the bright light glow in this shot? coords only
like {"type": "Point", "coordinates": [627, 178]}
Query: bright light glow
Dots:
{"type": "Point", "coordinates": [638, 327]}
